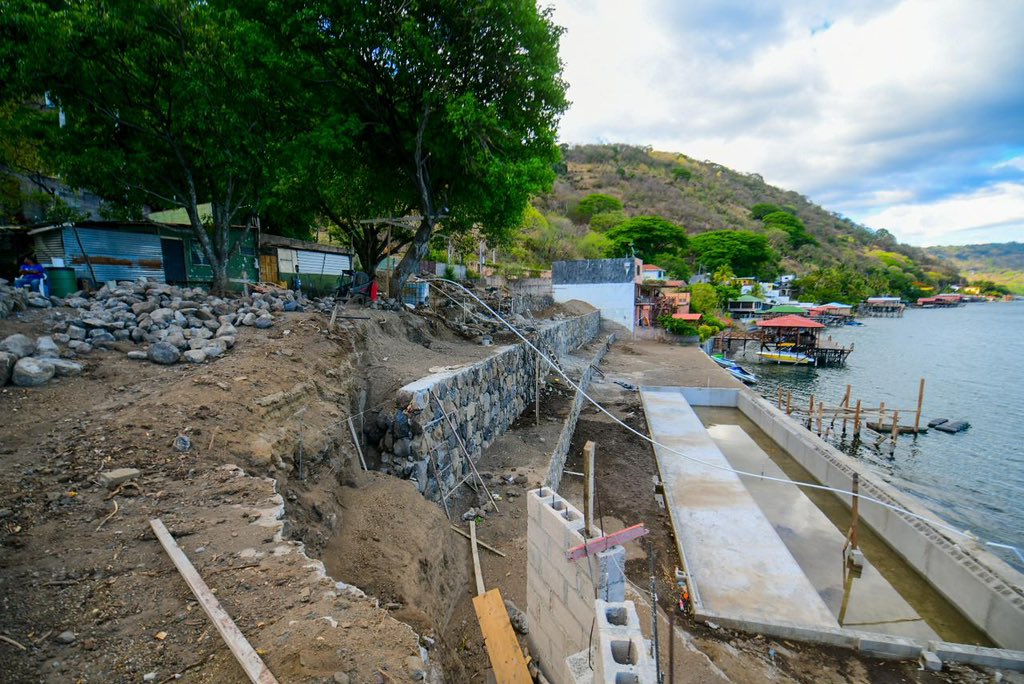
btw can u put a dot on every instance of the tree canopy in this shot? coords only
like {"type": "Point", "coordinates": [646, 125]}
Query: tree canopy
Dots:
{"type": "Point", "coordinates": [594, 204]}
{"type": "Point", "coordinates": [646, 237]}
{"type": "Point", "coordinates": [744, 252]}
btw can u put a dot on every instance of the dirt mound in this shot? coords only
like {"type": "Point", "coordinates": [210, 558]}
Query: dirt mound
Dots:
{"type": "Point", "coordinates": [397, 546]}
{"type": "Point", "coordinates": [573, 307]}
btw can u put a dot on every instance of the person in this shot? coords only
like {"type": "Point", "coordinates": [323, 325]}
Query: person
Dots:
{"type": "Point", "coordinates": [30, 273]}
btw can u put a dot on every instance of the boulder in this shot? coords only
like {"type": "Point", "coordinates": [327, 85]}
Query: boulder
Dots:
{"type": "Point", "coordinates": [30, 372]}
{"type": "Point", "coordinates": [195, 356]}
{"type": "Point", "coordinates": [214, 348]}
{"type": "Point", "coordinates": [164, 353]}
{"type": "Point", "coordinates": [226, 330]}
{"type": "Point", "coordinates": [63, 367]}
{"type": "Point", "coordinates": [19, 345]}
{"type": "Point", "coordinates": [148, 306]}
{"type": "Point", "coordinates": [137, 355]}
{"type": "Point", "coordinates": [249, 319]}
{"type": "Point", "coordinates": [177, 339]}
{"type": "Point", "coordinates": [7, 361]}
{"type": "Point", "coordinates": [265, 321]}
{"type": "Point", "coordinates": [46, 348]}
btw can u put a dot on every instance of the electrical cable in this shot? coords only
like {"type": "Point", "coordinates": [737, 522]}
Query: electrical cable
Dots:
{"type": "Point", "coordinates": [652, 441]}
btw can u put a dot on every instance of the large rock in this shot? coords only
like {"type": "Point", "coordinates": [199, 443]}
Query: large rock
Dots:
{"type": "Point", "coordinates": [19, 345]}
{"type": "Point", "coordinates": [177, 339]}
{"type": "Point", "coordinates": [195, 356]}
{"type": "Point", "coordinates": [148, 306]}
{"type": "Point", "coordinates": [7, 361]}
{"type": "Point", "coordinates": [46, 348]}
{"type": "Point", "coordinates": [214, 348]}
{"type": "Point", "coordinates": [164, 353]}
{"type": "Point", "coordinates": [265, 321]}
{"type": "Point", "coordinates": [226, 330]}
{"type": "Point", "coordinates": [29, 372]}
{"type": "Point", "coordinates": [76, 333]}
{"type": "Point", "coordinates": [63, 367]}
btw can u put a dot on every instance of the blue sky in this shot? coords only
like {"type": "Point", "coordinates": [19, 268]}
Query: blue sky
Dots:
{"type": "Point", "coordinates": [901, 114]}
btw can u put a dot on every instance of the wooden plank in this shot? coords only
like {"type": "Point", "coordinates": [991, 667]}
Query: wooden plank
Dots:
{"type": "Point", "coordinates": [588, 489]}
{"type": "Point", "coordinates": [503, 648]}
{"type": "Point", "coordinates": [489, 548]}
{"type": "Point", "coordinates": [243, 651]}
{"type": "Point", "coordinates": [592, 546]}
{"type": "Point", "coordinates": [476, 558]}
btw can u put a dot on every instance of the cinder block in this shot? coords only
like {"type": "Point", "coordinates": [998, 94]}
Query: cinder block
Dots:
{"type": "Point", "coordinates": [888, 647]}
{"type": "Point", "coordinates": [930, 661]}
{"type": "Point", "coordinates": [619, 615]}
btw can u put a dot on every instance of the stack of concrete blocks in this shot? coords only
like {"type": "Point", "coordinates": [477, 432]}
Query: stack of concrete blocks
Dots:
{"type": "Point", "coordinates": [621, 656]}
{"type": "Point", "coordinates": [560, 593]}
{"type": "Point", "coordinates": [482, 399]}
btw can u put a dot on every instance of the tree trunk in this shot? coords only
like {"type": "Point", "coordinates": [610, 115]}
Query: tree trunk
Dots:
{"type": "Point", "coordinates": [220, 276]}
{"type": "Point", "coordinates": [410, 263]}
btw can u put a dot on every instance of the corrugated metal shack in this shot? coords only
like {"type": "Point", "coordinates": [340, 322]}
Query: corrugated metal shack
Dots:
{"type": "Point", "coordinates": [118, 250]}
{"type": "Point", "coordinates": [284, 259]}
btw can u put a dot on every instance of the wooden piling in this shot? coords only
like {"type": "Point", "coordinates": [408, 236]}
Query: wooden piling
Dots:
{"type": "Point", "coordinates": [895, 427]}
{"type": "Point", "coordinates": [920, 401]}
{"type": "Point", "coordinates": [856, 419]}
{"type": "Point", "coordinates": [779, 398]}
{"type": "Point", "coordinates": [854, 512]}
{"type": "Point", "coordinates": [810, 413]}
{"type": "Point", "coordinates": [821, 411]}
{"type": "Point", "coordinates": [789, 402]}
{"type": "Point", "coordinates": [846, 405]}
{"type": "Point", "coordinates": [881, 413]}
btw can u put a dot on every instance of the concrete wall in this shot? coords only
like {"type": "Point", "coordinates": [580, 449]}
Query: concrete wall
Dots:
{"type": "Point", "coordinates": [561, 594]}
{"type": "Point", "coordinates": [483, 399]}
{"type": "Point", "coordinates": [561, 450]}
{"type": "Point", "coordinates": [616, 301]}
{"type": "Point", "coordinates": [985, 589]}
{"type": "Point", "coordinates": [622, 655]}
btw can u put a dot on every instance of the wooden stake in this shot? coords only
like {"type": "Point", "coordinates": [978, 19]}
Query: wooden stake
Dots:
{"type": "Point", "coordinates": [779, 400]}
{"type": "Point", "coordinates": [588, 489]}
{"type": "Point", "coordinates": [479, 543]}
{"type": "Point", "coordinates": [881, 414]}
{"type": "Point", "coordinates": [536, 399]}
{"type": "Point", "coordinates": [895, 427]}
{"type": "Point", "coordinates": [476, 559]}
{"type": "Point", "coordinates": [789, 402]}
{"type": "Point", "coordinates": [856, 419]}
{"type": "Point", "coordinates": [243, 651]}
{"type": "Point", "coordinates": [854, 510]}
{"type": "Point", "coordinates": [846, 405]}
{"type": "Point", "coordinates": [810, 413]}
{"type": "Point", "coordinates": [920, 401]}
{"type": "Point", "coordinates": [821, 411]}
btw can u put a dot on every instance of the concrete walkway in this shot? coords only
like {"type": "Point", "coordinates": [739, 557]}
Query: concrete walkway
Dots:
{"type": "Point", "coordinates": [741, 567]}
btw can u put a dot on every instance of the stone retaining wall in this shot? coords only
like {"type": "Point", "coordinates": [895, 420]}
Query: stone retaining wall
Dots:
{"type": "Point", "coordinates": [561, 450]}
{"type": "Point", "coordinates": [482, 400]}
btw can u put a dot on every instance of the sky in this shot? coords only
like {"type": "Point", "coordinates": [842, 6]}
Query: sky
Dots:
{"type": "Point", "coordinates": [906, 115]}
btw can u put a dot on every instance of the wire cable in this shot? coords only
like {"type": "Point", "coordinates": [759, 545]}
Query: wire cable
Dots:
{"type": "Point", "coordinates": [808, 485]}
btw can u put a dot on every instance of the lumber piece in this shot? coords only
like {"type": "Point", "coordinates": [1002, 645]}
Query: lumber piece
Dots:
{"type": "Point", "coordinates": [243, 651]}
{"type": "Point", "coordinates": [486, 546]}
{"type": "Point", "coordinates": [503, 648]}
{"type": "Point", "coordinates": [592, 546]}
{"type": "Point", "coordinates": [355, 440]}
{"type": "Point", "coordinates": [476, 559]}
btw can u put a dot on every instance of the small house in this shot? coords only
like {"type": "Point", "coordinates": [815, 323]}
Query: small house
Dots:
{"type": "Point", "coordinates": [609, 285]}
{"type": "Point", "coordinates": [288, 262]}
{"type": "Point", "coordinates": [746, 306]}
{"type": "Point", "coordinates": [652, 272]}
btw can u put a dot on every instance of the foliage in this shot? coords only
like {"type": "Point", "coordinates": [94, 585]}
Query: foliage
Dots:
{"type": "Point", "coordinates": [704, 299]}
{"type": "Point", "coordinates": [646, 236]}
{"type": "Point", "coordinates": [602, 223]}
{"type": "Point", "coordinates": [675, 265]}
{"type": "Point", "coordinates": [594, 204]}
{"type": "Point", "coordinates": [677, 326]}
{"type": "Point", "coordinates": [457, 103]}
{"type": "Point", "coordinates": [682, 173]}
{"type": "Point", "coordinates": [834, 284]}
{"type": "Point", "coordinates": [999, 263]}
{"type": "Point", "coordinates": [743, 251]}
{"type": "Point", "coordinates": [791, 225]}
{"type": "Point", "coordinates": [593, 246]}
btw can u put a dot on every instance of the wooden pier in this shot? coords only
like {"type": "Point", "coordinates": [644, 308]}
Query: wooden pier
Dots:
{"type": "Point", "coordinates": [882, 307]}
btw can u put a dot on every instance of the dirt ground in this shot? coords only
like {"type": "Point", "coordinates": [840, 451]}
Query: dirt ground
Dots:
{"type": "Point", "coordinates": [88, 595]}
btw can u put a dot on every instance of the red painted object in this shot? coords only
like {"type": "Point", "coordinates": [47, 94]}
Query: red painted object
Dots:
{"type": "Point", "coordinates": [592, 546]}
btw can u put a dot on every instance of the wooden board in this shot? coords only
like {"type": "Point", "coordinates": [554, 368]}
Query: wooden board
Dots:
{"type": "Point", "coordinates": [268, 268]}
{"type": "Point", "coordinates": [503, 649]}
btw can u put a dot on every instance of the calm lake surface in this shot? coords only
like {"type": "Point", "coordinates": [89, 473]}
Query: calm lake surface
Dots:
{"type": "Point", "coordinates": [972, 360]}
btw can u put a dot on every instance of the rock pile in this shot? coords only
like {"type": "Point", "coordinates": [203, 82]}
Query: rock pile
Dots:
{"type": "Point", "coordinates": [19, 299]}
{"type": "Point", "coordinates": [176, 323]}
{"type": "Point", "coordinates": [29, 363]}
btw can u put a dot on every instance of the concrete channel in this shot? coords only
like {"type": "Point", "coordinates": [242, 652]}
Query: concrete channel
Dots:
{"type": "Point", "coordinates": [744, 574]}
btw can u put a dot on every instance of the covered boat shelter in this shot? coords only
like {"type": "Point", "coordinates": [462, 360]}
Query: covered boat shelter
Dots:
{"type": "Point", "coordinates": [798, 334]}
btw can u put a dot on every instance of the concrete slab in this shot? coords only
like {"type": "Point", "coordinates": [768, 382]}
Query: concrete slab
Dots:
{"type": "Point", "coordinates": [868, 602]}
{"type": "Point", "coordinates": [740, 565]}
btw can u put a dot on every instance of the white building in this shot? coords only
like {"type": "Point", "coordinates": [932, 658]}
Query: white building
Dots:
{"type": "Point", "coordinates": [606, 284]}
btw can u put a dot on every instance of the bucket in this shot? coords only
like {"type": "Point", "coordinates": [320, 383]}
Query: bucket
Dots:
{"type": "Point", "coordinates": [63, 281]}
{"type": "Point", "coordinates": [417, 294]}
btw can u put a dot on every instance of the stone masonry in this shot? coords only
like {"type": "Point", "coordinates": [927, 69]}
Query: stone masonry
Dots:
{"type": "Point", "coordinates": [482, 400]}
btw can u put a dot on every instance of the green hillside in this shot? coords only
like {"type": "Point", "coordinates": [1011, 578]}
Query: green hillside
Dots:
{"type": "Point", "coordinates": [1000, 263]}
{"type": "Point", "coordinates": [826, 249]}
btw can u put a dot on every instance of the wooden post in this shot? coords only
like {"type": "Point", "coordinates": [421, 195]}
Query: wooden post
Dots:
{"type": "Point", "coordinates": [821, 412]}
{"type": "Point", "coordinates": [810, 413]}
{"type": "Point", "coordinates": [846, 407]}
{"type": "Point", "coordinates": [779, 400]}
{"type": "Point", "coordinates": [895, 427]}
{"type": "Point", "coordinates": [854, 512]}
{"type": "Point", "coordinates": [536, 401]}
{"type": "Point", "coordinates": [920, 401]}
{"type": "Point", "coordinates": [588, 489]}
{"type": "Point", "coordinates": [881, 416]}
{"type": "Point", "coordinates": [789, 402]}
{"type": "Point", "coordinates": [476, 559]}
{"type": "Point", "coordinates": [856, 419]}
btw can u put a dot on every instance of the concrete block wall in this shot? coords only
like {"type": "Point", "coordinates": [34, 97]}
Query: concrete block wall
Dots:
{"type": "Point", "coordinates": [984, 588]}
{"type": "Point", "coordinates": [561, 450]}
{"type": "Point", "coordinates": [621, 655]}
{"type": "Point", "coordinates": [561, 594]}
{"type": "Point", "coordinates": [483, 400]}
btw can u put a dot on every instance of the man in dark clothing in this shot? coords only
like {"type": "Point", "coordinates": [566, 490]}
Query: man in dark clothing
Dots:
{"type": "Point", "coordinates": [30, 273]}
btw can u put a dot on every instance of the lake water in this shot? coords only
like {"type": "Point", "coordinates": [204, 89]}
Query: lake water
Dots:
{"type": "Point", "coordinates": [972, 360]}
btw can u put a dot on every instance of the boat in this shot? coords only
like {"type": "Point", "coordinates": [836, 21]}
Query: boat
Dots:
{"type": "Point", "coordinates": [854, 323]}
{"type": "Point", "coordinates": [794, 358]}
{"type": "Point", "coordinates": [722, 361]}
{"type": "Point", "coordinates": [742, 374]}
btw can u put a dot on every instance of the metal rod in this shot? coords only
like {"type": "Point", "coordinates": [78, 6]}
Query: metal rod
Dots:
{"type": "Point", "coordinates": [654, 612]}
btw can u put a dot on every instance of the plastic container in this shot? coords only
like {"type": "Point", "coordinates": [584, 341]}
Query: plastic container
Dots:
{"type": "Point", "coordinates": [63, 281]}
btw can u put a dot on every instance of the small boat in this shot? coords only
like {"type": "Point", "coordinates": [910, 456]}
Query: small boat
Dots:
{"type": "Point", "coordinates": [854, 323]}
{"type": "Point", "coordinates": [742, 374]}
{"type": "Point", "coordinates": [794, 358]}
{"type": "Point", "coordinates": [722, 361]}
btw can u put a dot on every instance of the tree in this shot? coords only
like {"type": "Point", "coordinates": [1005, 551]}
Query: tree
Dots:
{"type": "Point", "coordinates": [592, 205]}
{"type": "Point", "coordinates": [646, 236]}
{"type": "Point", "coordinates": [743, 251]}
{"type": "Point", "coordinates": [791, 225]}
{"type": "Point", "coordinates": [457, 102]}
{"type": "Point", "coordinates": [166, 104]}
{"type": "Point", "coordinates": [834, 284]}
{"type": "Point", "coordinates": [704, 299]}
{"type": "Point", "coordinates": [674, 264]}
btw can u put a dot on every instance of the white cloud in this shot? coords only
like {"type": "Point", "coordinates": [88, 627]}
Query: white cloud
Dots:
{"type": "Point", "coordinates": [993, 214]}
{"type": "Point", "coordinates": [841, 103]}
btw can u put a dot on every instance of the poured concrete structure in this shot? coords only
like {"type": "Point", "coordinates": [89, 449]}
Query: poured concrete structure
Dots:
{"type": "Point", "coordinates": [738, 563]}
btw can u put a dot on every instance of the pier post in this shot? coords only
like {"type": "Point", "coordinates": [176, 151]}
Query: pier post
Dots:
{"type": "Point", "coordinates": [789, 402]}
{"type": "Point", "coordinates": [856, 419]}
{"type": "Point", "coordinates": [854, 511]}
{"type": "Point", "coordinates": [895, 428]}
{"type": "Point", "coordinates": [780, 397]}
{"type": "Point", "coordinates": [810, 413]}
{"type": "Point", "coordinates": [920, 401]}
{"type": "Point", "coordinates": [846, 407]}
{"type": "Point", "coordinates": [821, 411]}
{"type": "Point", "coordinates": [881, 415]}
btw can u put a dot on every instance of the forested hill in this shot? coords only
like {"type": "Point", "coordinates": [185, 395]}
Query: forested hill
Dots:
{"type": "Point", "coordinates": [1000, 263]}
{"type": "Point", "coordinates": [701, 197]}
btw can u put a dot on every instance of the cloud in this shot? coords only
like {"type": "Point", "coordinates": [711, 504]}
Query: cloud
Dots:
{"type": "Point", "coordinates": [992, 214]}
{"type": "Point", "coordinates": [842, 102]}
